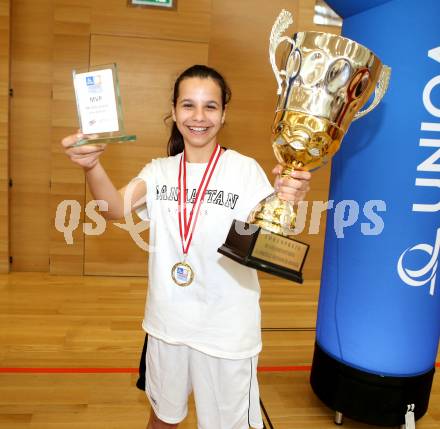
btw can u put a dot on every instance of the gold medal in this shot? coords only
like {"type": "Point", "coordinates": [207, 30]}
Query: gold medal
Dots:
{"type": "Point", "coordinates": [182, 274]}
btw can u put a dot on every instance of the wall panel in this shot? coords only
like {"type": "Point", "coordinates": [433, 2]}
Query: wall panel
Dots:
{"type": "Point", "coordinates": [76, 22]}
{"type": "Point", "coordinates": [31, 80]}
{"type": "Point", "coordinates": [146, 86]}
{"type": "Point", "coordinates": [4, 133]}
{"type": "Point", "coordinates": [71, 45]}
{"type": "Point", "coordinates": [190, 22]}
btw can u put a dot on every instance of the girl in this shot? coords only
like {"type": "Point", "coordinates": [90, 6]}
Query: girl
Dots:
{"type": "Point", "coordinates": [202, 314]}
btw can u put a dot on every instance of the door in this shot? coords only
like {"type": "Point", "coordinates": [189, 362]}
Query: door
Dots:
{"type": "Point", "coordinates": [147, 71]}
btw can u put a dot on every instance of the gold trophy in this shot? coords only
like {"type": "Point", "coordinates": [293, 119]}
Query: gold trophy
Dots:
{"type": "Point", "coordinates": [323, 83]}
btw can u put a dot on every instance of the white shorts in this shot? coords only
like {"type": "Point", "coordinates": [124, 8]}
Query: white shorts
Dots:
{"type": "Point", "coordinates": [225, 390]}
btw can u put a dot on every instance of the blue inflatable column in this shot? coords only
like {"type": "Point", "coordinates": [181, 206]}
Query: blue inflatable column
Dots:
{"type": "Point", "coordinates": [379, 308]}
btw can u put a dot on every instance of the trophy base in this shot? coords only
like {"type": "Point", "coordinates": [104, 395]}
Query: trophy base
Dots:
{"type": "Point", "coordinates": [255, 247]}
{"type": "Point", "coordinates": [106, 140]}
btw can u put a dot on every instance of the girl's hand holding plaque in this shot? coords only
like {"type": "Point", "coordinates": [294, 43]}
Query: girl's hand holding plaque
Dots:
{"type": "Point", "coordinates": [86, 156]}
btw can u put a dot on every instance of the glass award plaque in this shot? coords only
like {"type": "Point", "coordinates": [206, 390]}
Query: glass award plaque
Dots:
{"type": "Point", "coordinates": [99, 107]}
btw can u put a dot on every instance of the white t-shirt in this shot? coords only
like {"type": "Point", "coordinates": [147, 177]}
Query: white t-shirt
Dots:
{"type": "Point", "coordinates": [218, 313]}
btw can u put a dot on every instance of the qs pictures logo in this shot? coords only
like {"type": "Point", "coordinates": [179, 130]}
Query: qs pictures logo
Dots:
{"type": "Point", "coordinates": [426, 274]}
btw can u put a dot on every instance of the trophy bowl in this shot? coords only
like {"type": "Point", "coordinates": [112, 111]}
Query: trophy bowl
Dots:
{"type": "Point", "coordinates": [323, 83]}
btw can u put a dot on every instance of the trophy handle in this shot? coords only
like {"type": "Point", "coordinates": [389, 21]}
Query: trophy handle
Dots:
{"type": "Point", "coordinates": [281, 24]}
{"type": "Point", "coordinates": [379, 91]}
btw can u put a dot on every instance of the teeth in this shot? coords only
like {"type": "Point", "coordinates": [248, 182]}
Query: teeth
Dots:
{"type": "Point", "coordinates": [197, 129]}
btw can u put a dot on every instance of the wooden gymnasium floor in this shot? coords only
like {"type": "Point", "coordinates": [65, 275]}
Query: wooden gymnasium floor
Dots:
{"type": "Point", "coordinates": [69, 350]}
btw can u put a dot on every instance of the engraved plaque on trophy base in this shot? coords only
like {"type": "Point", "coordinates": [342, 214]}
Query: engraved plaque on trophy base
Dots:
{"type": "Point", "coordinates": [250, 245]}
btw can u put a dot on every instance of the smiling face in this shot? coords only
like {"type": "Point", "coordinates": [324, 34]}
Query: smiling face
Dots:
{"type": "Point", "coordinates": [198, 112]}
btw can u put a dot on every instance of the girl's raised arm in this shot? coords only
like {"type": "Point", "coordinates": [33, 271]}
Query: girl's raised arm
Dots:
{"type": "Point", "coordinates": [120, 201]}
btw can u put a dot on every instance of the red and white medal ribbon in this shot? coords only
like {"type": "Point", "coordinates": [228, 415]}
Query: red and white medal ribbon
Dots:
{"type": "Point", "coordinates": [187, 226]}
